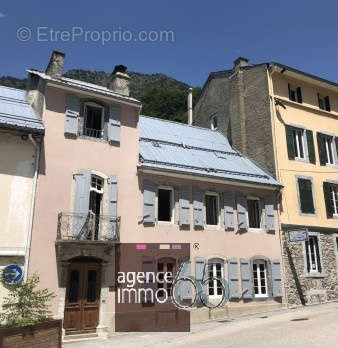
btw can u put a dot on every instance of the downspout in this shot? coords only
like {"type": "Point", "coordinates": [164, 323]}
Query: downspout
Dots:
{"type": "Point", "coordinates": [28, 241]}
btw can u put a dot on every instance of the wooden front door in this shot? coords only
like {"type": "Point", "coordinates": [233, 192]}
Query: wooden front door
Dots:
{"type": "Point", "coordinates": [82, 297]}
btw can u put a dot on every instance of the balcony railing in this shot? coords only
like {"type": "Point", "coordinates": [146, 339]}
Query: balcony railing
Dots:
{"type": "Point", "coordinates": [94, 133]}
{"type": "Point", "coordinates": [87, 227]}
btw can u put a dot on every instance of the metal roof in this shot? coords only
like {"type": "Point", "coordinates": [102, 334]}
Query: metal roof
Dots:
{"type": "Point", "coordinates": [90, 87]}
{"type": "Point", "coordinates": [173, 146]}
{"type": "Point", "coordinates": [16, 113]}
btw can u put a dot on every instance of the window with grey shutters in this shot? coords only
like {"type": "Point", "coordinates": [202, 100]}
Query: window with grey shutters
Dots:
{"type": "Point", "coordinates": [149, 189]}
{"type": "Point", "coordinates": [165, 204]}
{"type": "Point", "coordinates": [184, 201]}
{"type": "Point", "coordinates": [228, 199]}
{"type": "Point", "coordinates": [112, 209]}
{"type": "Point", "coordinates": [114, 125]}
{"type": "Point", "coordinates": [269, 214]}
{"type": "Point", "coordinates": [198, 196]}
{"type": "Point", "coordinates": [276, 278]}
{"type": "Point", "coordinates": [246, 277]}
{"type": "Point", "coordinates": [81, 200]}
{"type": "Point", "coordinates": [72, 115]}
{"type": "Point", "coordinates": [233, 279]}
{"type": "Point", "coordinates": [241, 213]}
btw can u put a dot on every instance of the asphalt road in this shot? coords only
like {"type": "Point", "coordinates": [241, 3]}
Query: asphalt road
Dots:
{"type": "Point", "coordinates": [315, 326]}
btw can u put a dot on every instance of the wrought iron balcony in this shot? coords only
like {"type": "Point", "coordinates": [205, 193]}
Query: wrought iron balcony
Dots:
{"type": "Point", "coordinates": [88, 227]}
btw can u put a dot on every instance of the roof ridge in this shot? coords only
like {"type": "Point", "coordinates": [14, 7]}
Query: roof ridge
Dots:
{"type": "Point", "coordinates": [183, 124]}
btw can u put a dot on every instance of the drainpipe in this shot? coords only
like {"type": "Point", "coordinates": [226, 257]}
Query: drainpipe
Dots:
{"type": "Point", "coordinates": [28, 241]}
{"type": "Point", "coordinates": [190, 107]}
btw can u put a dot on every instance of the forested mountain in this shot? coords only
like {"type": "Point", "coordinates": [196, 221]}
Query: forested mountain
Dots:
{"type": "Point", "coordinates": [162, 96]}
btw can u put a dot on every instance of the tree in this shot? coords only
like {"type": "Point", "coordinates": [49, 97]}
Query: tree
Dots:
{"type": "Point", "coordinates": [25, 305]}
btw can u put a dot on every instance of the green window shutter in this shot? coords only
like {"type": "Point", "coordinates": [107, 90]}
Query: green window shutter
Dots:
{"type": "Point", "coordinates": [311, 147]}
{"type": "Point", "coordinates": [327, 198]}
{"type": "Point", "coordinates": [305, 196]}
{"type": "Point", "coordinates": [299, 95]}
{"type": "Point", "coordinates": [321, 149]}
{"type": "Point", "coordinates": [289, 142]}
{"type": "Point", "coordinates": [327, 103]}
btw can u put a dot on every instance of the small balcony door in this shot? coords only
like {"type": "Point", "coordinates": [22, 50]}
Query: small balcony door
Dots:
{"type": "Point", "coordinates": [82, 297]}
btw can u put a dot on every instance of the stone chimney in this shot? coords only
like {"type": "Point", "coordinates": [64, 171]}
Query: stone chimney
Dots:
{"type": "Point", "coordinates": [55, 66]}
{"type": "Point", "coordinates": [240, 62]}
{"type": "Point", "coordinates": [119, 80]}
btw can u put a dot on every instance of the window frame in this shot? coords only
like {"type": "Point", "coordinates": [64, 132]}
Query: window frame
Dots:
{"type": "Point", "coordinates": [334, 187]}
{"type": "Point", "coordinates": [322, 100]}
{"type": "Point", "coordinates": [313, 274]}
{"type": "Point", "coordinates": [213, 262]}
{"type": "Point", "coordinates": [299, 198]}
{"type": "Point", "coordinates": [172, 205]}
{"type": "Point", "coordinates": [293, 89]}
{"type": "Point", "coordinates": [254, 198]}
{"type": "Point", "coordinates": [260, 295]}
{"type": "Point", "coordinates": [218, 212]}
{"type": "Point", "coordinates": [329, 139]}
{"type": "Point", "coordinates": [212, 118]}
{"type": "Point", "coordinates": [96, 105]}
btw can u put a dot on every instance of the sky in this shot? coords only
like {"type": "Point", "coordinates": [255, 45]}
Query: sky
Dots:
{"type": "Point", "coordinates": [203, 36]}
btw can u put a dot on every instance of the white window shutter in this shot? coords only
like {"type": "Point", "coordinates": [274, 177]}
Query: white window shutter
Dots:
{"type": "Point", "coordinates": [241, 213]}
{"type": "Point", "coordinates": [228, 210]}
{"type": "Point", "coordinates": [114, 125]}
{"type": "Point", "coordinates": [184, 202]}
{"type": "Point", "coordinates": [149, 189]}
{"type": "Point", "coordinates": [269, 214]}
{"type": "Point", "coordinates": [246, 275]}
{"type": "Point", "coordinates": [72, 114]}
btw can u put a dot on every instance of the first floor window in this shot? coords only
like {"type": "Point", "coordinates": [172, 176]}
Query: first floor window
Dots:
{"type": "Point", "coordinates": [215, 271]}
{"type": "Point", "coordinates": [211, 209]}
{"type": "Point", "coordinates": [93, 121]}
{"type": "Point", "coordinates": [305, 196]}
{"type": "Point", "coordinates": [313, 255]}
{"type": "Point", "coordinates": [165, 205]}
{"type": "Point", "coordinates": [260, 278]}
{"type": "Point", "coordinates": [254, 213]}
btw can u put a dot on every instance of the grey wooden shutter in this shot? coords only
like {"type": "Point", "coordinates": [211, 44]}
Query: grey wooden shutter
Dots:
{"type": "Point", "coordinates": [299, 95]}
{"type": "Point", "coordinates": [269, 214]}
{"type": "Point", "coordinates": [276, 278]}
{"type": "Point", "coordinates": [327, 198]}
{"type": "Point", "coordinates": [72, 114]}
{"type": "Point", "coordinates": [290, 142]}
{"type": "Point", "coordinates": [200, 275]}
{"type": "Point", "coordinates": [228, 210]}
{"type": "Point", "coordinates": [321, 149]}
{"type": "Point", "coordinates": [81, 200]}
{"type": "Point", "coordinates": [114, 125]}
{"type": "Point", "coordinates": [310, 146]}
{"type": "Point", "coordinates": [246, 275]}
{"type": "Point", "coordinates": [305, 196]}
{"type": "Point", "coordinates": [184, 202]}
{"type": "Point", "coordinates": [233, 279]}
{"type": "Point", "coordinates": [241, 213]}
{"type": "Point", "coordinates": [186, 287]}
{"type": "Point", "coordinates": [149, 189]}
{"type": "Point", "coordinates": [112, 208]}
{"type": "Point", "coordinates": [198, 196]}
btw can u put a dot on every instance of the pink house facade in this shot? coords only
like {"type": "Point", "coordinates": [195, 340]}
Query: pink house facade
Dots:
{"type": "Point", "coordinates": [109, 176]}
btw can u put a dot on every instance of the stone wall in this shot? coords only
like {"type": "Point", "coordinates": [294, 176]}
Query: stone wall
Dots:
{"type": "Point", "coordinates": [302, 289]}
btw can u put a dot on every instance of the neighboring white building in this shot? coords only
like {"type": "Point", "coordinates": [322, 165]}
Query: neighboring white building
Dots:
{"type": "Point", "coordinates": [20, 134]}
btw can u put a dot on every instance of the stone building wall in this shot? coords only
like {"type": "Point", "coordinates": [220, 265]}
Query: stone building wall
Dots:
{"type": "Point", "coordinates": [302, 289]}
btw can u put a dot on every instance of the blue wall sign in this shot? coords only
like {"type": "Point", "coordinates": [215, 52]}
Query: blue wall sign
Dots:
{"type": "Point", "coordinates": [12, 274]}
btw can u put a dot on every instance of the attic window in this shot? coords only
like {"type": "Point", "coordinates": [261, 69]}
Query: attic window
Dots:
{"type": "Point", "coordinates": [214, 122]}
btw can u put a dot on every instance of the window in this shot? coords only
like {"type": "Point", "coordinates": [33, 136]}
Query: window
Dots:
{"type": "Point", "coordinates": [298, 143]}
{"type": "Point", "coordinates": [165, 266]}
{"type": "Point", "coordinates": [254, 212]}
{"type": "Point", "coordinates": [328, 141]}
{"type": "Point", "coordinates": [312, 255]}
{"type": "Point", "coordinates": [93, 120]}
{"type": "Point", "coordinates": [95, 202]}
{"type": "Point", "coordinates": [165, 204]}
{"type": "Point", "coordinates": [334, 199]}
{"type": "Point", "coordinates": [295, 94]}
{"type": "Point", "coordinates": [215, 271]}
{"type": "Point", "coordinates": [305, 196]}
{"type": "Point", "coordinates": [211, 209]}
{"type": "Point", "coordinates": [214, 122]}
{"type": "Point", "coordinates": [260, 278]}
{"type": "Point", "coordinates": [324, 102]}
